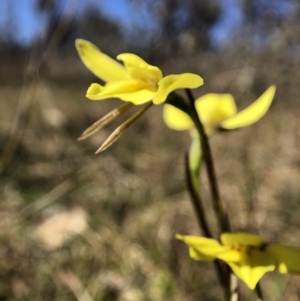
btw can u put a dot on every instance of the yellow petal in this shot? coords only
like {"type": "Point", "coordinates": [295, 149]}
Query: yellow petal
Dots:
{"type": "Point", "coordinates": [287, 258]}
{"type": "Point", "coordinates": [202, 248]}
{"type": "Point", "coordinates": [250, 275]}
{"type": "Point", "coordinates": [99, 63]}
{"type": "Point", "coordinates": [230, 255]}
{"type": "Point", "coordinates": [214, 108]}
{"type": "Point", "coordinates": [176, 119]}
{"type": "Point", "coordinates": [113, 89]}
{"type": "Point", "coordinates": [252, 113]}
{"type": "Point", "coordinates": [241, 239]}
{"type": "Point", "coordinates": [254, 263]}
{"type": "Point", "coordinates": [173, 82]}
{"type": "Point", "coordinates": [95, 92]}
{"type": "Point", "coordinates": [140, 69]}
{"type": "Point", "coordinates": [138, 97]}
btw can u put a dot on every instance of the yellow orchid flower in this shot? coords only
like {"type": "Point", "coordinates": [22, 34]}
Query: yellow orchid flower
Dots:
{"type": "Point", "coordinates": [136, 81]}
{"type": "Point", "coordinates": [247, 255]}
{"type": "Point", "coordinates": [218, 111]}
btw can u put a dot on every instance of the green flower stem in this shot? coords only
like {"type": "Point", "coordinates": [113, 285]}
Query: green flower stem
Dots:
{"type": "Point", "coordinates": [222, 271]}
{"type": "Point", "coordinates": [193, 188]}
{"type": "Point", "coordinates": [208, 158]}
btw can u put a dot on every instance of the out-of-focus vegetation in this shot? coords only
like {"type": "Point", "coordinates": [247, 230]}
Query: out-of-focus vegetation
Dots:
{"type": "Point", "coordinates": [75, 226]}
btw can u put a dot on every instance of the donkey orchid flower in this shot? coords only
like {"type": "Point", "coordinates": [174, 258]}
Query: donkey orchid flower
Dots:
{"type": "Point", "coordinates": [136, 81]}
{"type": "Point", "coordinates": [218, 111]}
{"type": "Point", "coordinates": [248, 255]}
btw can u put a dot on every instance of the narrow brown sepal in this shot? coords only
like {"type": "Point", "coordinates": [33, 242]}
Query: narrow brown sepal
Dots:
{"type": "Point", "coordinates": [98, 125]}
{"type": "Point", "coordinates": [117, 133]}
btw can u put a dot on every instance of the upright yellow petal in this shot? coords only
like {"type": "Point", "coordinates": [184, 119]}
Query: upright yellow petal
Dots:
{"type": "Point", "coordinates": [173, 82]}
{"type": "Point", "coordinates": [241, 239]}
{"type": "Point", "coordinates": [140, 69]}
{"type": "Point", "coordinates": [99, 63]}
{"type": "Point", "coordinates": [214, 108]}
{"type": "Point", "coordinates": [176, 119]}
{"type": "Point", "coordinates": [252, 113]}
{"type": "Point", "coordinates": [287, 258]}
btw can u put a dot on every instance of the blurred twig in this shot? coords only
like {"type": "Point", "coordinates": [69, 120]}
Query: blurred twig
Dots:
{"type": "Point", "coordinates": [56, 193]}
{"type": "Point", "coordinates": [45, 200]}
{"type": "Point", "coordinates": [70, 280]}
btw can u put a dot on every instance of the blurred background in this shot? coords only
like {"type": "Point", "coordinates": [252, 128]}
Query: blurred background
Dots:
{"type": "Point", "coordinates": [76, 226]}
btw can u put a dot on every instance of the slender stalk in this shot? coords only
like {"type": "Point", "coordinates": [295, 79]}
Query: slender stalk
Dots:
{"type": "Point", "coordinates": [208, 158]}
{"type": "Point", "coordinates": [196, 199]}
{"type": "Point", "coordinates": [199, 210]}
{"type": "Point", "coordinates": [229, 283]}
